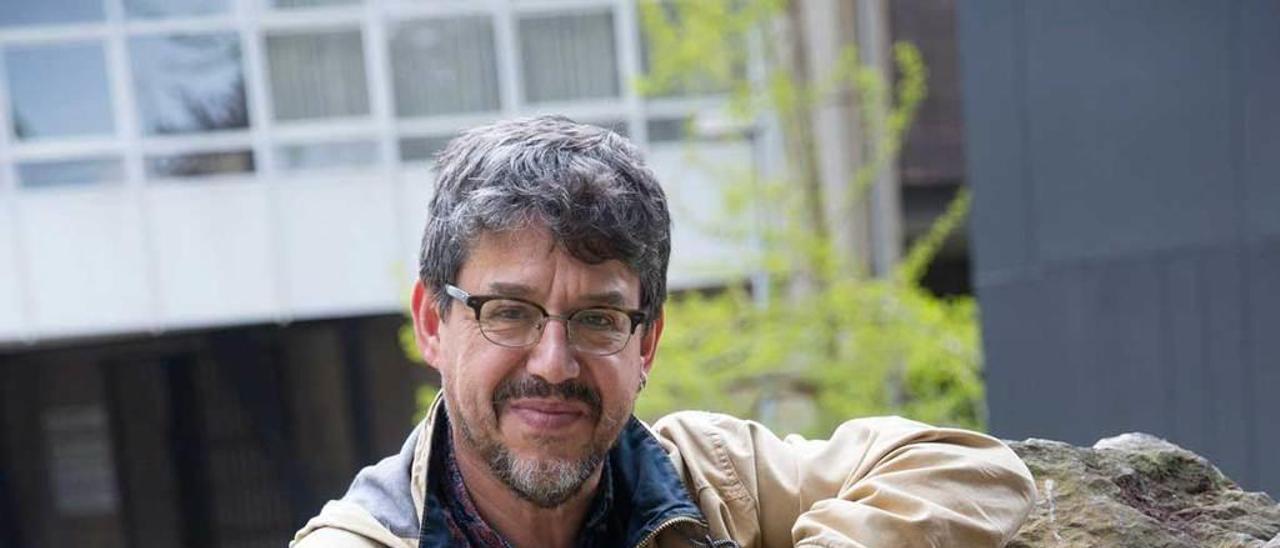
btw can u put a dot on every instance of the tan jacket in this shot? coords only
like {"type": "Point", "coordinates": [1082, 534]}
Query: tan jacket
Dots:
{"type": "Point", "coordinates": [876, 482]}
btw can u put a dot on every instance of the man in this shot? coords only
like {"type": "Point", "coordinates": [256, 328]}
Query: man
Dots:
{"type": "Point", "coordinates": [539, 301]}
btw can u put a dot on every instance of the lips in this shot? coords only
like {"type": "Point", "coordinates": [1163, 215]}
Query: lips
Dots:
{"type": "Point", "coordinates": [547, 414]}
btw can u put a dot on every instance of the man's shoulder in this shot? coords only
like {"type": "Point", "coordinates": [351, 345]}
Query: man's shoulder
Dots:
{"type": "Point", "coordinates": [380, 504]}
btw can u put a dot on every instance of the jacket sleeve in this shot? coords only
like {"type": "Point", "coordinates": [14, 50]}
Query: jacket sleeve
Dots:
{"type": "Point", "coordinates": [876, 482]}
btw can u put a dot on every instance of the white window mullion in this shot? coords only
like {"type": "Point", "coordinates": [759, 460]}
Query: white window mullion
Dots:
{"type": "Point", "coordinates": [508, 55]}
{"type": "Point", "coordinates": [381, 109]}
{"type": "Point", "coordinates": [8, 170]}
{"type": "Point", "coordinates": [124, 108]}
{"type": "Point", "coordinates": [627, 38]}
{"type": "Point", "coordinates": [9, 201]}
{"type": "Point", "coordinates": [253, 59]}
{"type": "Point", "coordinates": [124, 104]}
{"type": "Point", "coordinates": [381, 101]}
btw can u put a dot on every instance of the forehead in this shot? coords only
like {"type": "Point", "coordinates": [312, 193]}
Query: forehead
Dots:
{"type": "Point", "coordinates": [529, 263]}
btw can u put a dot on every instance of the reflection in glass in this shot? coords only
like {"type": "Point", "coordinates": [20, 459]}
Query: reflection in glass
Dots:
{"type": "Point", "coordinates": [70, 172]}
{"type": "Point", "coordinates": [444, 66]}
{"type": "Point", "coordinates": [311, 3]}
{"type": "Point", "coordinates": [326, 155]}
{"type": "Point", "coordinates": [421, 149]}
{"type": "Point", "coordinates": [200, 164]}
{"type": "Point", "coordinates": [189, 83]}
{"type": "Point", "coordinates": [317, 75]}
{"type": "Point", "coordinates": [59, 91]}
{"type": "Point", "coordinates": [568, 57]}
{"type": "Point", "coordinates": [15, 13]}
{"type": "Point", "coordinates": [151, 9]}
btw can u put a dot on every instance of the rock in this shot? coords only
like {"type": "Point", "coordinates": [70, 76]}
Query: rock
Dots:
{"type": "Point", "coordinates": [1137, 490]}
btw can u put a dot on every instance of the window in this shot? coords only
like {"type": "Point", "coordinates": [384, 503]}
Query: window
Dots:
{"type": "Point", "coordinates": [444, 66]}
{"type": "Point", "coordinates": [189, 83]}
{"type": "Point", "coordinates": [317, 75]}
{"type": "Point", "coordinates": [200, 164]}
{"type": "Point", "coordinates": [568, 57]}
{"type": "Point", "coordinates": [150, 9]}
{"type": "Point", "coordinates": [667, 130]}
{"type": "Point", "coordinates": [59, 91]}
{"type": "Point", "coordinates": [421, 149]}
{"type": "Point", "coordinates": [49, 12]}
{"type": "Point", "coordinates": [326, 155]}
{"type": "Point", "coordinates": [310, 3]}
{"type": "Point", "coordinates": [37, 174]}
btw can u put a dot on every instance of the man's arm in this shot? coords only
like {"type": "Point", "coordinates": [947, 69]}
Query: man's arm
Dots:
{"type": "Point", "coordinates": [876, 482]}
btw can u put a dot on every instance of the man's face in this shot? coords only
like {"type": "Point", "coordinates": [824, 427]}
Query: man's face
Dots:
{"type": "Point", "coordinates": [541, 417]}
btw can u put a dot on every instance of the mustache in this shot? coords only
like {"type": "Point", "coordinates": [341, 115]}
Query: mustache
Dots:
{"type": "Point", "coordinates": [537, 387]}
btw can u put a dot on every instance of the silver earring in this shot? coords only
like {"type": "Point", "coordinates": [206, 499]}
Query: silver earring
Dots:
{"type": "Point", "coordinates": [644, 379]}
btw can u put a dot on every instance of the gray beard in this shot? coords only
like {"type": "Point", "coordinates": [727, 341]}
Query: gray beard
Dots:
{"type": "Point", "coordinates": [546, 483]}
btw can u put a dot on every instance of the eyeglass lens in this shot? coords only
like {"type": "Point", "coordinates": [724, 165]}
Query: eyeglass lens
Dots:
{"type": "Point", "coordinates": [515, 323]}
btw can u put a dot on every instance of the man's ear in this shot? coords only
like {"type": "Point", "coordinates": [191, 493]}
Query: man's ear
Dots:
{"type": "Point", "coordinates": [426, 324]}
{"type": "Point", "coordinates": [649, 342]}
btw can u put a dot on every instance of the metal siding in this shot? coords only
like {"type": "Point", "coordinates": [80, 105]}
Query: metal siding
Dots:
{"type": "Point", "coordinates": [1126, 118]}
{"type": "Point", "coordinates": [1264, 353]}
{"type": "Point", "coordinates": [1183, 321]}
{"type": "Point", "coordinates": [993, 145]}
{"type": "Point", "coordinates": [1126, 166]}
{"type": "Point", "coordinates": [1260, 49]}
{"type": "Point", "coordinates": [1226, 387]}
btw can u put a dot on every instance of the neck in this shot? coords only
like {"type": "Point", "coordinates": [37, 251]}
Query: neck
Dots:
{"type": "Point", "coordinates": [519, 521]}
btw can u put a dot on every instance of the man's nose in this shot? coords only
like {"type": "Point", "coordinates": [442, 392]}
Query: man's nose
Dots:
{"type": "Point", "coordinates": [551, 357]}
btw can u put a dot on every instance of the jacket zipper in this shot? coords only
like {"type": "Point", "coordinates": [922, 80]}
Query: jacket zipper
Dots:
{"type": "Point", "coordinates": [667, 524]}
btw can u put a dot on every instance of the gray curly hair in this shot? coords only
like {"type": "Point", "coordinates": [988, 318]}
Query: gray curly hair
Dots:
{"type": "Point", "coordinates": [587, 185]}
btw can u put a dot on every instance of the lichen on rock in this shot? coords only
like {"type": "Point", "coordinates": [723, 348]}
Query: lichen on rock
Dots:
{"type": "Point", "coordinates": [1137, 490]}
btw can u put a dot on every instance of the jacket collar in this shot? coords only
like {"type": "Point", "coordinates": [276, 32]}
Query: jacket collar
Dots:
{"type": "Point", "coordinates": [647, 490]}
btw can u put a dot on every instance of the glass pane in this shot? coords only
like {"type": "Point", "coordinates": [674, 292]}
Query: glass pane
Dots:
{"type": "Point", "coordinates": [49, 12]}
{"type": "Point", "coordinates": [327, 155]}
{"type": "Point", "coordinates": [311, 3]}
{"type": "Point", "coordinates": [317, 75]}
{"type": "Point", "coordinates": [666, 130]}
{"type": "Point", "coordinates": [568, 57]}
{"type": "Point", "coordinates": [616, 126]}
{"type": "Point", "coordinates": [421, 149]}
{"type": "Point", "coordinates": [444, 66]}
{"type": "Point", "coordinates": [189, 84]}
{"type": "Point", "coordinates": [70, 172]}
{"type": "Point", "coordinates": [151, 9]}
{"type": "Point", "coordinates": [200, 164]}
{"type": "Point", "coordinates": [59, 91]}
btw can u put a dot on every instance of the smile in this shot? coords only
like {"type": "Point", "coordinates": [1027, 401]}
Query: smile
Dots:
{"type": "Point", "coordinates": [540, 414]}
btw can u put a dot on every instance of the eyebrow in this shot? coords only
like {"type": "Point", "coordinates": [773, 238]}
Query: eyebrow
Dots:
{"type": "Point", "coordinates": [506, 289]}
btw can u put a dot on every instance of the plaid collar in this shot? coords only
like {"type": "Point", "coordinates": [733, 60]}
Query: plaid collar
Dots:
{"type": "Point", "coordinates": [467, 528]}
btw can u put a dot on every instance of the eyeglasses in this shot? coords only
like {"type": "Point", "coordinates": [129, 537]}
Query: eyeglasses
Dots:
{"type": "Point", "coordinates": [517, 323]}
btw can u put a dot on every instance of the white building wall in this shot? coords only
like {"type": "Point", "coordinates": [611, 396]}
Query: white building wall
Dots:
{"type": "Point", "coordinates": [124, 247]}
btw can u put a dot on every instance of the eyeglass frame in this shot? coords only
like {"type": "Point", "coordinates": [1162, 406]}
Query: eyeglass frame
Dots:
{"type": "Point", "coordinates": [476, 302]}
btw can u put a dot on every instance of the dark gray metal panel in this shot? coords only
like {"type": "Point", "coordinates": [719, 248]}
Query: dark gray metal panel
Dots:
{"type": "Point", "coordinates": [1129, 125]}
{"type": "Point", "coordinates": [1125, 158]}
{"type": "Point", "coordinates": [1227, 380]}
{"type": "Point", "coordinates": [1184, 351]}
{"type": "Point", "coordinates": [1123, 338]}
{"type": "Point", "coordinates": [993, 65]}
{"type": "Point", "coordinates": [1259, 73]}
{"type": "Point", "coordinates": [1036, 340]}
{"type": "Point", "coordinates": [1264, 354]}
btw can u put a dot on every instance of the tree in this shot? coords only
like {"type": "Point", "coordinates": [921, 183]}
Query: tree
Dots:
{"type": "Point", "coordinates": [829, 342]}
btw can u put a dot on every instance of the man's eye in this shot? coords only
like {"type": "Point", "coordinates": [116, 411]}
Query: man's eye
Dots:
{"type": "Point", "coordinates": [509, 313]}
{"type": "Point", "coordinates": [597, 319]}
